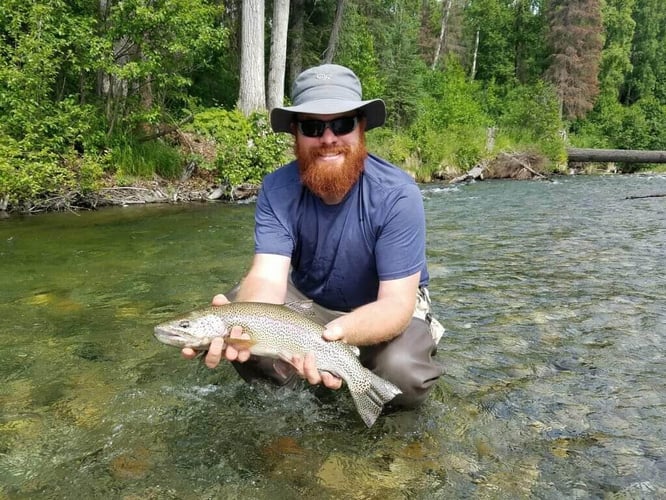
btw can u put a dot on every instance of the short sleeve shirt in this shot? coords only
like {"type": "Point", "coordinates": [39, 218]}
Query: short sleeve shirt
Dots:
{"type": "Point", "coordinates": [340, 253]}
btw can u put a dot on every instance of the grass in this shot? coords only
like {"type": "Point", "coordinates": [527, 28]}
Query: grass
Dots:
{"type": "Point", "coordinates": [143, 159]}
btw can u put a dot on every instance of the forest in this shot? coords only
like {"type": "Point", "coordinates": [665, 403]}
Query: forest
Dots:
{"type": "Point", "coordinates": [110, 92]}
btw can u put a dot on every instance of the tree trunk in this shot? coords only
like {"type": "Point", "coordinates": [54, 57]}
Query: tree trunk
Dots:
{"type": "Point", "coordinates": [296, 38]}
{"type": "Point", "coordinates": [615, 155]}
{"type": "Point", "coordinates": [252, 94]}
{"type": "Point", "coordinates": [476, 53]}
{"type": "Point", "coordinates": [278, 59]}
{"type": "Point", "coordinates": [335, 33]}
{"type": "Point", "coordinates": [441, 44]}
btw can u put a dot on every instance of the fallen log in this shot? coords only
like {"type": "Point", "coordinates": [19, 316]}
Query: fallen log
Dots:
{"type": "Point", "coordinates": [615, 155]}
{"type": "Point", "coordinates": [638, 197]}
{"type": "Point", "coordinates": [476, 173]}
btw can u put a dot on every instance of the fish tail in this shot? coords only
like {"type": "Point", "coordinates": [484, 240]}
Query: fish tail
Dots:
{"type": "Point", "coordinates": [371, 397]}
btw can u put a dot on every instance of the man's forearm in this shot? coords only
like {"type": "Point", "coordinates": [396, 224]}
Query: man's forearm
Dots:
{"type": "Point", "coordinates": [266, 281]}
{"type": "Point", "coordinates": [375, 322]}
{"type": "Point", "coordinates": [256, 289]}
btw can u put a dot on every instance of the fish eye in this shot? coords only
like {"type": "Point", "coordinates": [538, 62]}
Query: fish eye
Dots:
{"type": "Point", "coordinates": [184, 324]}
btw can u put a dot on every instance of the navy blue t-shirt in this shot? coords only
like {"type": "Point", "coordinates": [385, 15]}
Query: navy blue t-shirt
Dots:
{"type": "Point", "coordinates": [339, 253]}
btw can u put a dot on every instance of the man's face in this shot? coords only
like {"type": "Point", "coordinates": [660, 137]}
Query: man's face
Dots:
{"type": "Point", "coordinates": [331, 163]}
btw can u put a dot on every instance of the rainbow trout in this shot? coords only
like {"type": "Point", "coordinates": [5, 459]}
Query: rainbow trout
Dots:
{"type": "Point", "coordinates": [276, 331]}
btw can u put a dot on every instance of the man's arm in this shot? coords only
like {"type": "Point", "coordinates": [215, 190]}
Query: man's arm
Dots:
{"type": "Point", "coordinates": [380, 320]}
{"type": "Point", "coordinates": [266, 281]}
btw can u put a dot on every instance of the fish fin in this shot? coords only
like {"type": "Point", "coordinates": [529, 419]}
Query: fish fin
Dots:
{"type": "Point", "coordinates": [371, 398]}
{"type": "Point", "coordinates": [239, 343]}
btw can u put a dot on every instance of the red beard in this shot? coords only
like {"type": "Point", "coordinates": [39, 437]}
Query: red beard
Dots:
{"type": "Point", "coordinates": [331, 181]}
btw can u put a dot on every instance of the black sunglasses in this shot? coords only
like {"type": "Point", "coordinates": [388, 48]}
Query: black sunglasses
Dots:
{"type": "Point", "coordinates": [316, 128]}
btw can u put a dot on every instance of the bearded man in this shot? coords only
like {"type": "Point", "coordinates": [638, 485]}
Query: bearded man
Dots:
{"type": "Point", "coordinates": [346, 230]}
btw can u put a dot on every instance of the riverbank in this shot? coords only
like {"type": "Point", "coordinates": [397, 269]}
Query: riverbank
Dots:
{"type": "Point", "coordinates": [198, 185]}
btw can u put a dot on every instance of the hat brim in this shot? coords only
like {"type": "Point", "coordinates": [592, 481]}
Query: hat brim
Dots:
{"type": "Point", "coordinates": [373, 110]}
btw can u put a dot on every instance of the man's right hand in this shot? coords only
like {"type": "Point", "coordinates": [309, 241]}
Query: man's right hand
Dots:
{"type": "Point", "coordinates": [218, 348]}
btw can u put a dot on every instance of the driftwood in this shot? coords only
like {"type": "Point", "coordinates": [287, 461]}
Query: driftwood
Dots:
{"type": "Point", "coordinates": [523, 161]}
{"type": "Point", "coordinates": [476, 173]}
{"type": "Point", "coordinates": [519, 166]}
{"type": "Point", "coordinates": [506, 166]}
{"type": "Point", "coordinates": [130, 195]}
{"type": "Point", "coordinates": [615, 155]}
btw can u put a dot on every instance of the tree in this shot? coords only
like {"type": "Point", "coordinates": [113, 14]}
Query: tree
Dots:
{"type": "Point", "coordinates": [278, 59]}
{"type": "Point", "coordinates": [574, 36]}
{"type": "Point", "coordinates": [329, 55]}
{"type": "Point", "coordinates": [252, 93]}
{"type": "Point", "coordinates": [151, 49]}
{"type": "Point", "coordinates": [615, 64]}
{"type": "Point", "coordinates": [647, 57]}
{"type": "Point", "coordinates": [488, 24]}
{"type": "Point", "coordinates": [444, 28]}
{"type": "Point", "coordinates": [527, 38]}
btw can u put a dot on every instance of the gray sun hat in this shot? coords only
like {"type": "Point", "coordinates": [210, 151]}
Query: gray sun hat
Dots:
{"type": "Point", "coordinates": [326, 90]}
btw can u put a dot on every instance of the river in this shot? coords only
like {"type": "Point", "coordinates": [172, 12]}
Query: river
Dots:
{"type": "Point", "coordinates": [553, 295]}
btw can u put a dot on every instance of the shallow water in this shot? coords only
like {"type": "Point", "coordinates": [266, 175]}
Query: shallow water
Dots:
{"type": "Point", "coordinates": [554, 299]}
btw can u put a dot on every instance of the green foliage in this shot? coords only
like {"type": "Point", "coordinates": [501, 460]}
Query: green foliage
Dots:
{"type": "Point", "coordinates": [648, 76]}
{"type": "Point", "coordinates": [133, 158]}
{"type": "Point", "coordinates": [492, 21]}
{"type": "Point", "coordinates": [615, 62]}
{"type": "Point", "coordinates": [357, 51]}
{"type": "Point", "coordinates": [49, 153]}
{"type": "Point", "coordinates": [247, 147]}
{"type": "Point", "coordinates": [450, 100]}
{"type": "Point", "coordinates": [26, 178]}
{"type": "Point", "coordinates": [76, 82]}
{"type": "Point", "coordinates": [452, 126]}
{"type": "Point", "coordinates": [398, 148]}
{"type": "Point", "coordinates": [639, 126]}
{"type": "Point", "coordinates": [530, 118]}
{"type": "Point", "coordinates": [152, 51]}
{"type": "Point", "coordinates": [450, 115]}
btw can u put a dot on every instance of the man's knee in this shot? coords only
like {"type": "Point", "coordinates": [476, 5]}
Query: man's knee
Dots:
{"type": "Point", "coordinates": [407, 361]}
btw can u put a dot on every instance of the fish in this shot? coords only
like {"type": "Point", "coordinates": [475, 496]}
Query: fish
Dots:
{"type": "Point", "coordinates": [278, 331]}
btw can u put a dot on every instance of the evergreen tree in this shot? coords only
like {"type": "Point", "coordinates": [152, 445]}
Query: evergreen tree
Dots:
{"type": "Point", "coordinates": [619, 28]}
{"type": "Point", "coordinates": [575, 39]}
{"type": "Point", "coordinates": [648, 77]}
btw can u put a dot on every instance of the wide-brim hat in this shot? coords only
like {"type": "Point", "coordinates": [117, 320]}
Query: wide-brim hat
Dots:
{"type": "Point", "coordinates": [327, 90]}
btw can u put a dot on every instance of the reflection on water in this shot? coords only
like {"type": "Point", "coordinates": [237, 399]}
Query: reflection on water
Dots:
{"type": "Point", "coordinates": [554, 299]}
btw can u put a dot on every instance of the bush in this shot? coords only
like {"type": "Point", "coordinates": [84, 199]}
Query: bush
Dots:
{"type": "Point", "coordinates": [247, 148]}
{"type": "Point", "coordinates": [53, 152]}
{"type": "Point", "coordinates": [530, 121]}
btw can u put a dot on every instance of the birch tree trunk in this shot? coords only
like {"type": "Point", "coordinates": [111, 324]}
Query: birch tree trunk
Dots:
{"type": "Point", "coordinates": [476, 54]}
{"type": "Point", "coordinates": [252, 94]}
{"type": "Point", "coordinates": [441, 44]}
{"type": "Point", "coordinates": [335, 33]}
{"type": "Point", "coordinates": [278, 59]}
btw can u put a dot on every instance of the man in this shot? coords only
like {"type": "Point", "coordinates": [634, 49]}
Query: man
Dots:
{"type": "Point", "coordinates": [346, 230]}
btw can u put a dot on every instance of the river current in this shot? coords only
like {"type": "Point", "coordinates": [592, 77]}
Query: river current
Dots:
{"type": "Point", "coordinates": [553, 295]}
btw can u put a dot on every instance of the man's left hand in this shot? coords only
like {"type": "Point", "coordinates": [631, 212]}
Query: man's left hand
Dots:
{"type": "Point", "coordinates": [307, 369]}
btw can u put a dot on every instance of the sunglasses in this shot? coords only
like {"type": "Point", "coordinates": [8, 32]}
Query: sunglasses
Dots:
{"type": "Point", "coordinates": [316, 128]}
